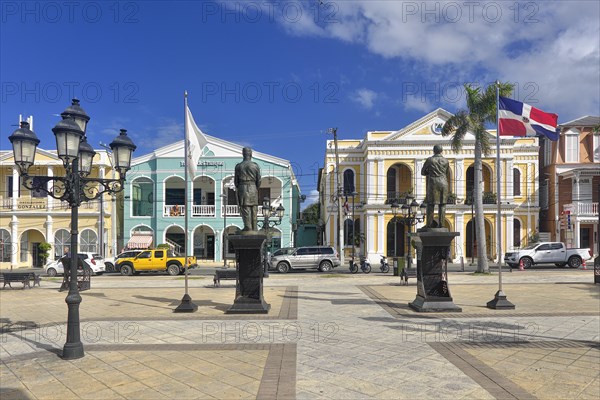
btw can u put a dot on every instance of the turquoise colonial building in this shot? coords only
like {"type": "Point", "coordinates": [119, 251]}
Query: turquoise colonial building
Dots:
{"type": "Point", "coordinates": [154, 205]}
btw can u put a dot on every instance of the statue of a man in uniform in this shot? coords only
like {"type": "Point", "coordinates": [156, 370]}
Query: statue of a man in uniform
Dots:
{"type": "Point", "coordinates": [435, 169]}
{"type": "Point", "coordinates": [247, 182]}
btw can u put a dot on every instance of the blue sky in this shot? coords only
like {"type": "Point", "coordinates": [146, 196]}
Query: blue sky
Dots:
{"type": "Point", "coordinates": [276, 75]}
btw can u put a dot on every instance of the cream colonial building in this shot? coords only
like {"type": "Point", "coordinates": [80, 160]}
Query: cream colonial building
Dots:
{"type": "Point", "coordinates": [386, 165]}
{"type": "Point", "coordinates": [28, 218]}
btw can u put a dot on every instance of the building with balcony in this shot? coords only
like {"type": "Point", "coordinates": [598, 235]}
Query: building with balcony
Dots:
{"type": "Point", "coordinates": [570, 173]}
{"type": "Point", "coordinates": [154, 205]}
{"type": "Point", "coordinates": [28, 218]}
{"type": "Point", "coordinates": [385, 166]}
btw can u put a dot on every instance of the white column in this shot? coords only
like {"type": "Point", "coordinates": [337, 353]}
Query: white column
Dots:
{"type": "Point", "coordinates": [14, 237]}
{"type": "Point", "coordinates": [381, 187]}
{"type": "Point", "coordinates": [459, 221]}
{"type": "Point", "coordinates": [15, 187]}
{"type": "Point", "coordinates": [49, 236]}
{"type": "Point", "coordinates": [371, 181]}
{"type": "Point", "coordinates": [576, 228]}
{"type": "Point", "coordinates": [370, 237]}
{"type": "Point", "coordinates": [50, 201]}
{"type": "Point", "coordinates": [460, 177]}
{"type": "Point", "coordinates": [419, 189]}
{"type": "Point", "coordinates": [575, 201]}
{"type": "Point", "coordinates": [510, 228]}
{"type": "Point", "coordinates": [382, 229]}
{"type": "Point", "coordinates": [510, 194]}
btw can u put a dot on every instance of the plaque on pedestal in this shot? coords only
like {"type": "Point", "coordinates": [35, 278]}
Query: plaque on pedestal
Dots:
{"type": "Point", "coordinates": [433, 293]}
{"type": "Point", "coordinates": [249, 284]}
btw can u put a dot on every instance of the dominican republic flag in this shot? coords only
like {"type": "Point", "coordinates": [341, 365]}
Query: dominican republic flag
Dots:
{"type": "Point", "coordinates": [520, 119]}
{"type": "Point", "coordinates": [346, 207]}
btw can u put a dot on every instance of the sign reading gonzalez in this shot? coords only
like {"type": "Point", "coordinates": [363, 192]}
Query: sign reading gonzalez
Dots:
{"type": "Point", "coordinates": [520, 119]}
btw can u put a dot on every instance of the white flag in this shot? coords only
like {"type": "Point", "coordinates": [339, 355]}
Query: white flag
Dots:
{"type": "Point", "coordinates": [196, 142]}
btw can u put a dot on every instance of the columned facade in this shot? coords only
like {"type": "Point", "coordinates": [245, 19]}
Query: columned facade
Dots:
{"type": "Point", "coordinates": [393, 161]}
{"type": "Point", "coordinates": [155, 205]}
{"type": "Point", "coordinates": [28, 218]}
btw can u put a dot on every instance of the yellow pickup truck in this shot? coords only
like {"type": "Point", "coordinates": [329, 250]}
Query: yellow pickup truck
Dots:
{"type": "Point", "coordinates": [155, 260]}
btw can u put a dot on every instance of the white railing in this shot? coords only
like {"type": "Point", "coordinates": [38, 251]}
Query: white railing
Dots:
{"type": "Point", "coordinates": [6, 203]}
{"type": "Point", "coordinates": [173, 211]}
{"type": "Point", "coordinates": [582, 208]}
{"type": "Point", "coordinates": [230, 210]}
{"type": "Point", "coordinates": [587, 209]}
{"type": "Point", "coordinates": [203, 211]}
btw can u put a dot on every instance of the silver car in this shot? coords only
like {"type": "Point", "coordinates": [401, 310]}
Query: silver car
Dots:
{"type": "Point", "coordinates": [324, 258]}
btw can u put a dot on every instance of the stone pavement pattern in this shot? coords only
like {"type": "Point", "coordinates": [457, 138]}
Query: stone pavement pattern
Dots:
{"type": "Point", "coordinates": [327, 336]}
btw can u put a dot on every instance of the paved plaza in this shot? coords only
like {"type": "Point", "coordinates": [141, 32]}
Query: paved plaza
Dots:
{"type": "Point", "coordinates": [327, 336]}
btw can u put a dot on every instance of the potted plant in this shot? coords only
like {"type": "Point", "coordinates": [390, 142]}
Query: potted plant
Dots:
{"type": "Point", "coordinates": [44, 248]}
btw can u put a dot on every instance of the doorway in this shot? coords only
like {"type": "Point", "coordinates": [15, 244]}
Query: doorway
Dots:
{"type": "Point", "coordinates": [210, 247]}
{"type": "Point", "coordinates": [38, 261]}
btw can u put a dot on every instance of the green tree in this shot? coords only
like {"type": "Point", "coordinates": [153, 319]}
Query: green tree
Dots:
{"type": "Point", "coordinates": [44, 248]}
{"type": "Point", "coordinates": [310, 215]}
{"type": "Point", "coordinates": [481, 112]}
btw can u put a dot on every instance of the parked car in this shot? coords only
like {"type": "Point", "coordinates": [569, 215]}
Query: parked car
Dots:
{"type": "Point", "coordinates": [324, 258]}
{"type": "Point", "coordinates": [110, 262]}
{"type": "Point", "coordinates": [155, 260]}
{"type": "Point", "coordinates": [547, 253]}
{"type": "Point", "coordinates": [92, 260]}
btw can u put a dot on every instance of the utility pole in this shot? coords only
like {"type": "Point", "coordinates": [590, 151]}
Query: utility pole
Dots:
{"type": "Point", "coordinates": [340, 235]}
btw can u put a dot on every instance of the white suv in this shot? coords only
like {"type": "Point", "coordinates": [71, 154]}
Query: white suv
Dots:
{"type": "Point", "coordinates": [93, 260]}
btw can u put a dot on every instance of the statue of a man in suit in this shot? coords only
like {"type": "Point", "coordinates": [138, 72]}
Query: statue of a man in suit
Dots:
{"type": "Point", "coordinates": [247, 182]}
{"type": "Point", "coordinates": [435, 169]}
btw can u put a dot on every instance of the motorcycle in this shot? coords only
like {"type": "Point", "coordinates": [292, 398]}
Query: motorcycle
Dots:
{"type": "Point", "coordinates": [384, 266]}
{"type": "Point", "coordinates": [365, 266]}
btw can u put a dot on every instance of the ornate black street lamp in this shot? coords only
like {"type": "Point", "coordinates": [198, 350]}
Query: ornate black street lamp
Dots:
{"type": "Point", "coordinates": [74, 188]}
{"type": "Point", "coordinates": [269, 213]}
{"type": "Point", "coordinates": [410, 219]}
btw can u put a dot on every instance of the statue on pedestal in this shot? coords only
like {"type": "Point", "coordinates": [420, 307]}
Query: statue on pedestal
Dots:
{"type": "Point", "coordinates": [436, 169]}
{"type": "Point", "coordinates": [247, 182]}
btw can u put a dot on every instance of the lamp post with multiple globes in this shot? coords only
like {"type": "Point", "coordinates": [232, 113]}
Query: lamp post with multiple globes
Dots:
{"type": "Point", "coordinates": [75, 187]}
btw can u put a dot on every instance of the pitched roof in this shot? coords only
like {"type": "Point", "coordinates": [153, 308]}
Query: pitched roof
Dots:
{"type": "Point", "coordinates": [588, 120]}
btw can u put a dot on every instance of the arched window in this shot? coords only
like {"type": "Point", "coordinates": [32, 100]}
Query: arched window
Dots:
{"type": "Point", "coordinates": [61, 242]}
{"type": "Point", "coordinates": [142, 197]}
{"type": "Point", "coordinates": [5, 246]}
{"type": "Point", "coordinates": [348, 229]}
{"type": "Point", "coordinates": [348, 181]}
{"type": "Point", "coordinates": [89, 241]}
{"type": "Point", "coordinates": [516, 182]}
{"type": "Point", "coordinates": [517, 233]}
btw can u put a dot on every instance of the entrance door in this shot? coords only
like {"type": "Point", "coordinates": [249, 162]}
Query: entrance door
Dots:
{"type": "Point", "coordinates": [38, 262]}
{"type": "Point", "coordinates": [210, 247]}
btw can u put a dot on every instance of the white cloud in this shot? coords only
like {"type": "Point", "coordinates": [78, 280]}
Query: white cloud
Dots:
{"type": "Point", "coordinates": [365, 97]}
{"type": "Point", "coordinates": [550, 49]}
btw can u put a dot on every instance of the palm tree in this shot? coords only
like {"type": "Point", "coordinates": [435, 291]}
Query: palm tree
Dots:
{"type": "Point", "coordinates": [481, 111]}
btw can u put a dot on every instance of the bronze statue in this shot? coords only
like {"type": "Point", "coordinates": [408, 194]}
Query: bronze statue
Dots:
{"type": "Point", "coordinates": [247, 182]}
{"type": "Point", "coordinates": [436, 169]}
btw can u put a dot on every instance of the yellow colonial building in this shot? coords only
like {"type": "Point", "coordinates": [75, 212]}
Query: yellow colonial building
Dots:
{"type": "Point", "coordinates": [28, 218]}
{"type": "Point", "coordinates": [386, 165]}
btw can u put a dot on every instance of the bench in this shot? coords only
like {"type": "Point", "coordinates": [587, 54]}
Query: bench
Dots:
{"type": "Point", "coordinates": [407, 273]}
{"type": "Point", "coordinates": [224, 274]}
{"type": "Point", "coordinates": [23, 277]}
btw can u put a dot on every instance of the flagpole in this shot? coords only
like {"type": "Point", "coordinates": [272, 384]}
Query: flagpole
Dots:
{"type": "Point", "coordinates": [186, 302]}
{"type": "Point", "coordinates": [499, 301]}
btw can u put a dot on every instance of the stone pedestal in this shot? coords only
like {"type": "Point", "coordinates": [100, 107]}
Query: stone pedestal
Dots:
{"type": "Point", "coordinates": [433, 293]}
{"type": "Point", "coordinates": [249, 284]}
